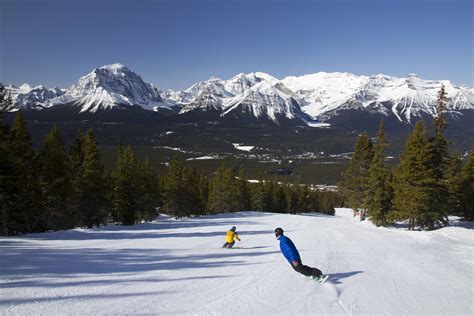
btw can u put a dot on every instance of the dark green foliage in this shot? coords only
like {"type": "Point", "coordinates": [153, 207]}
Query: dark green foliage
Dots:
{"type": "Point", "coordinates": [257, 196]}
{"type": "Point", "coordinates": [354, 181]}
{"type": "Point", "coordinates": [5, 106]}
{"type": "Point", "coordinates": [244, 191]}
{"type": "Point", "coordinates": [92, 184]}
{"type": "Point", "coordinates": [172, 187]}
{"type": "Point", "coordinates": [150, 192]}
{"type": "Point", "coordinates": [55, 182]}
{"type": "Point", "coordinates": [378, 198]}
{"type": "Point", "coordinates": [467, 189]}
{"type": "Point", "coordinates": [24, 212]}
{"type": "Point", "coordinates": [225, 192]}
{"type": "Point", "coordinates": [126, 189]}
{"type": "Point", "coordinates": [203, 188]}
{"type": "Point", "coordinates": [415, 183]}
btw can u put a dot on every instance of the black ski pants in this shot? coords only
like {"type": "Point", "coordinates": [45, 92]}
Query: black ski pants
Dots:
{"type": "Point", "coordinates": [228, 244]}
{"type": "Point", "coordinates": [305, 270]}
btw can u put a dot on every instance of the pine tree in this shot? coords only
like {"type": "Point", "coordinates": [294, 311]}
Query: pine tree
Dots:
{"type": "Point", "coordinates": [304, 199]}
{"type": "Point", "coordinates": [268, 196]}
{"type": "Point", "coordinates": [76, 171]}
{"type": "Point", "coordinates": [467, 189]}
{"type": "Point", "coordinates": [5, 106]}
{"type": "Point", "coordinates": [92, 183]}
{"type": "Point", "coordinates": [224, 193]}
{"type": "Point", "coordinates": [291, 196]}
{"type": "Point", "coordinates": [55, 182]}
{"type": "Point", "coordinates": [279, 198]}
{"type": "Point", "coordinates": [149, 192]}
{"type": "Point", "coordinates": [439, 202]}
{"type": "Point", "coordinates": [415, 182]}
{"type": "Point", "coordinates": [203, 193]}
{"type": "Point", "coordinates": [126, 190]}
{"type": "Point", "coordinates": [354, 181]}
{"type": "Point", "coordinates": [257, 196]}
{"type": "Point", "coordinates": [24, 215]}
{"type": "Point", "coordinates": [173, 188]}
{"type": "Point", "coordinates": [190, 192]}
{"type": "Point", "coordinates": [244, 191]}
{"type": "Point", "coordinates": [454, 185]}
{"type": "Point", "coordinates": [379, 191]}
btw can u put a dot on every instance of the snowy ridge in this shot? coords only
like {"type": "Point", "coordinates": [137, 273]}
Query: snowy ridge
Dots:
{"type": "Point", "coordinates": [28, 97]}
{"type": "Point", "coordinates": [111, 86]}
{"type": "Point", "coordinates": [265, 99]}
{"type": "Point", "coordinates": [312, 99]}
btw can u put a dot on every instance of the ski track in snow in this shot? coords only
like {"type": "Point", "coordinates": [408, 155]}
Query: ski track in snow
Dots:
{"type": "Point", "coordinates": [177, 267]}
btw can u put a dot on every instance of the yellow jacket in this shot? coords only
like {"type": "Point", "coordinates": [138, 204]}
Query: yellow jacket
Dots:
{"type": "Point", "coordinates": [230, 235]}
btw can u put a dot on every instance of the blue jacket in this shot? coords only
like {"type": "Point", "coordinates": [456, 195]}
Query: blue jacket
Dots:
{"type": "Point", "coordinates": [288, 249]}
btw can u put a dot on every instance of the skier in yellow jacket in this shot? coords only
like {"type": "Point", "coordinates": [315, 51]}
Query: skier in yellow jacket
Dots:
{"type": "Point", "coordinates": [229, 238]}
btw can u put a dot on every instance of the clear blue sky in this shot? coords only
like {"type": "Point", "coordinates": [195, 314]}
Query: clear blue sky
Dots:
{"type": "Point", "coordinates": [174, 43]}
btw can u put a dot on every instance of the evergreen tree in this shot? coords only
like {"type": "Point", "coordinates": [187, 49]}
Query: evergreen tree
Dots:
{"type": "Point", "coordinates": [304, 199]}
{"type": "Point", "coordinates": [257, 195]}
{"type": "Point", "coordinates": [76, 170]}
{"type": "Point", "coordinates": [24, 215]}
{"type": "Point", "coordinates": [379, 191]}
{"type": "Point", "coordinates": [291, 196]}
{"type": "Point", "coordinates": [55, 182]}
{"type": "Point", "coordinates": [467, 189]}
{"type": "Point", "coordinates": [126, 190]}
{"type": "Point", "coordinates": [190, 192]}
{"type": "Point", "coordinates": [203, 193]}
{"type": "Point", "coordinates": [454, 185]}
{"type": "Point", "coordinates": [439, 202]}
{"type": "Point", "coordinates": [149, 192]}
{"type": "Point", "coordinates": [354, 181]}
{"type": "Point", "coordinates": [5, 106]}
{"type": "Point", "coordinates": [244, 191]}
{"type": "Point", "coordinates": [224, 193]}
{"type": "Point", "coordinates": [268, 205]}
{"type": "Point", "coordinates": [279, 198]}
{"type": "Point", "coordinates": [92, 184]}
{"type": "Point", "coordinates": [173, 189]}
{"type": "Point", "coordinates": [415, 182]}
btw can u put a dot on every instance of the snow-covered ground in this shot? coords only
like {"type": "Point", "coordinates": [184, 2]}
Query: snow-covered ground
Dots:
{"type": "Point", "coordinates": [177, 267]}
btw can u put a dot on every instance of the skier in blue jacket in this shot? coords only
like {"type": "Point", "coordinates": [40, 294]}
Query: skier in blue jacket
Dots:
{"type": "Point", "coordinates": [291, 254]}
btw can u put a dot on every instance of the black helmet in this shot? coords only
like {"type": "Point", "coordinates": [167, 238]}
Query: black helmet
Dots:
{"type": "Point", "coordinates": [278, 232]}
{"type": "Point", "coordinates": [233, 228]}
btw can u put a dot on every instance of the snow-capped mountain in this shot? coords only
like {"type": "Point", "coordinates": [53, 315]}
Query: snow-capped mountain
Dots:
{"type": "Point", "coordinates": [206, 101]}
{"type": "Point", "coordinates": [112, 86]}
{"type": "Point", "coordinates": [308, 98]}
{"type": "Point", "coordinates": [266, 100]}
{"type": "Point", "coordinates": [325, 95]}
{"type": "Point", "coordinates": [28, 97]}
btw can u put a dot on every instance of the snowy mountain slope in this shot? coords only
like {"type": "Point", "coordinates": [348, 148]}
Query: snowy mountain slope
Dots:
{"type": "Point", "coordinates": [213, 85]}
{"type": "Point", "coordinates": [267, 100]}
{"type": "Point", "coordinates": [27, 97]}
{"type": "Point", "coordinates": [322, 92]}
{"type": "Point", "coordinates": [206, 101]}
{"type": "Point", "coordinates": [320, 96]}
{"type": "Point", "coordinates": [325, 95]}
{"type": "Point", "coordinates": [177, 267]}
{"type": "Point", "coordinates": [109, 87]}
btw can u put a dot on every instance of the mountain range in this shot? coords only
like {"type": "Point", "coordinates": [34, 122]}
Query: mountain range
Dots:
{"type": "Point", "coordinates": [313, 100]}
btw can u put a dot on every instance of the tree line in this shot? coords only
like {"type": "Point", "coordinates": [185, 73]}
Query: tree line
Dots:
{"type": "Point", "coordinates": [59, 187]}
{"type": "Point", "coordinates": [427, 185]}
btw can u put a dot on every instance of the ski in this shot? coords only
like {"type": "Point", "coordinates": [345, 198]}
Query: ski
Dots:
{"type": "Point", "coordinates": [322, 279]}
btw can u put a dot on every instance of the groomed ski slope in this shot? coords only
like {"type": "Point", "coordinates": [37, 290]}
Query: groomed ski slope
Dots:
{"type": "Point", "coordinates": [177, 267]}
